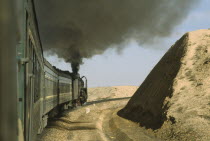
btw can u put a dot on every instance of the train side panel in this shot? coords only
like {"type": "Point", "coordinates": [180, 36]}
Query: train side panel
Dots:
{"type": "Point", "coordinates": [34, 71]}
{"type": "Point", "coordinates": [65, 90]}
{"type": "Point", "coordinates": [50, 99]}
{"type": "Point", "coordinates": [41, 89]}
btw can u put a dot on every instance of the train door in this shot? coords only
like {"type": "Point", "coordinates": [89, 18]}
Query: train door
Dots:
{"type": "Point", "coordinates": [29, 90]}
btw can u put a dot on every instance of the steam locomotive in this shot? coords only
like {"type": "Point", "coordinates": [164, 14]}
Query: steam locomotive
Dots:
{"type": "Point", "coordinates": [40, 89]}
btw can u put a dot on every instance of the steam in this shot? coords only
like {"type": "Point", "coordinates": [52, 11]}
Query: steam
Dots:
{"type": "Point", "coordinates": [77, 29]}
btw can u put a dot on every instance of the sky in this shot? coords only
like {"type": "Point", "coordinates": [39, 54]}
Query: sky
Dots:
{"type": "Point", "coordinates": [132, 65]}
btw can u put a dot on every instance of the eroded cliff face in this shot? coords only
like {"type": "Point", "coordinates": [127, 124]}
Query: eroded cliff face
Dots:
{"type": "Point", "coordinates": [177, 89]}
{"type": "Point", "coordinates": [147, 104]}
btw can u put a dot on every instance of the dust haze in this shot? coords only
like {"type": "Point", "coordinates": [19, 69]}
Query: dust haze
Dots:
{"type": "Point", "coordinates": [78, 29]}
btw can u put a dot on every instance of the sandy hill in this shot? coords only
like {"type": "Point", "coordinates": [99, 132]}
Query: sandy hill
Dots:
{"type": "Point", "coordinates": [175, 96]}
{"type": "Point", "coordinates": [101, 93]}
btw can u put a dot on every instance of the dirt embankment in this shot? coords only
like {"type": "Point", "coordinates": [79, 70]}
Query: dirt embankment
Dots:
{"type": "Point", "coordinates": [174, 99]}
{"type": "Point", "coordinates": [102, 93]}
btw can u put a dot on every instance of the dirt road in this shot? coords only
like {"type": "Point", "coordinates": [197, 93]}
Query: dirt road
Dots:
{"type": "Point", "coordinates": [96, 121]}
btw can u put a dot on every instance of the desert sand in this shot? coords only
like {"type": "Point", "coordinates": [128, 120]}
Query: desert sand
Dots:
{"type": "Point", "coordinates": [100, 93]}
{"type": "Point", "coordinates": [95, 121]}
{"type": "Point", "coordinates": [174, 99]}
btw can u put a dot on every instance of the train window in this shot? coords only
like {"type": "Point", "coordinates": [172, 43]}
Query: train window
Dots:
{"type": "Point", "coordinates": [67, 88]}
{"type": "Point", "coordinates": [46, 84]}
{"type": "Point", "coordinates": [37, 79]}
{"type": "Point", "coordinates": [61, 88]}
{"type": "Point", "coordinates": [45, 79]}
{"type": "Point", "coordinates": [54, 88]}
{"type": "Point", "coordinates": [64, 88]}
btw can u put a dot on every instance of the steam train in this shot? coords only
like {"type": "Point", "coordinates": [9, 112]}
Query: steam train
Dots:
{"type": "Point", "coordinates": [38, 89]}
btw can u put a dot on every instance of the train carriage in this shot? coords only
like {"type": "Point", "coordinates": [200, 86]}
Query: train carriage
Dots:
{"type": "Point", "coordinates": [50, 99]}
{"type": "Point", "coordinates": [30, 75]}
{"type": "Point", "coordinates": [65, 89]}
{"type": "Point", "coordinates": [41, 88]}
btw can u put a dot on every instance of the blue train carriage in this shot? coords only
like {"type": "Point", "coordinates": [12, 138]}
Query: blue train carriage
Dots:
{"type": "Point", "coordinates": [57, 91]}
{"type": "Point", "coordinates": [65, 91]}
{"type": "Point", "coordinates": [30, 74]}
{"type": "Point", "coordinates": [41, 89]}
{"type": "Point", "coordinates": [50, 98]}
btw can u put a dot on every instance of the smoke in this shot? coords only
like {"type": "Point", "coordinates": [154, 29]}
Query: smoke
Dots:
{"type": "Point", "coordinates": [77, 29]}
{"type": "Point", "coordinates": [75, 66]}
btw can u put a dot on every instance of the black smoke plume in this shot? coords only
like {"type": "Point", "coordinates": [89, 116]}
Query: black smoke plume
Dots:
{"type": "Point", "coordinates": [77, 29]}
{"type": "Point", "coordinates": [75, 67]}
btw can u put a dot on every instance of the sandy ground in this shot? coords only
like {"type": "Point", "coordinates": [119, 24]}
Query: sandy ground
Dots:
{"type": "Point", "coordinates": [82, 124]}
{"type": "Point", "coordinates": [174, 99]}
{"type": "Point", "coordinates": [97, 120]}
{"type": "Point", "coordinates": [101, 93]}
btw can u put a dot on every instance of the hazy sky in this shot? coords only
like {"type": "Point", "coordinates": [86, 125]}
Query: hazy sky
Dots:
{"type": "Point", "coordinates": [133, 64]}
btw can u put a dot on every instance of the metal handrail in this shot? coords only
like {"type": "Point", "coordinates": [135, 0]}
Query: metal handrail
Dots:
{"type": "Point", "coordinates": [85, 81]}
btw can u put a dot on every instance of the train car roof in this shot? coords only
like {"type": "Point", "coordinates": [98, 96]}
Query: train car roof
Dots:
{"type": "Point", "coordinates": [57, 70]}
{"type": "Point", "coordinates": [63, 73]}
{"type": "Point", "coordinates": [47, 64]}
{"type": "Point", "coordinates": [33, 12]}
